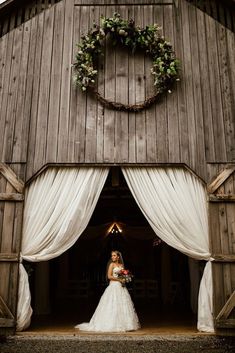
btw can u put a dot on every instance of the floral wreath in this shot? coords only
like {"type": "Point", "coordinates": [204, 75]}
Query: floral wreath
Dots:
{"type": "Point", "coordinates": [165, 67]}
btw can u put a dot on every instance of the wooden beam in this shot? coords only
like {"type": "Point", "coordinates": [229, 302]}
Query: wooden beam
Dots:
{"type": "Point", "coordinates": [223, 258]}
{"type": "Point", "coordinates": [8, 173]}
{"type": "Point", "coordinates": [227, 308]}
{"type": "Point", "coordinates": [222, 198]}
{"type": "Point", "coordinates": [11, 197]}
{"type": "Point", "coordinates": [220, 179]}
{"type": "Point", "coordinates": [229, 323]}
{"type": "Point", "coordinates": [4, 310]}
{"type": "Point", "coordinates": [5, 257]}
{"type": "Point", "coordinates": [7, 322]}
{"type": "Point", "coordinates": [122, 2]}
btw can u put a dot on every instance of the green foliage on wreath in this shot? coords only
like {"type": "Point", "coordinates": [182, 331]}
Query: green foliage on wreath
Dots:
{"type": "Point", "coordinates": [165, 68]}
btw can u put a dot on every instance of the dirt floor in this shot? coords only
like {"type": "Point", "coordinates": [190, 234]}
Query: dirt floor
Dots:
{"type": "Point", "coordinates": [128, 343]}
{"type": "Point", "coordinates": [173, 333]}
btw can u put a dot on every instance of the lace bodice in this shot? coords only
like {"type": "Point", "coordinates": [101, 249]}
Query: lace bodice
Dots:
{"type": "Point", "coordinates": [116, 270]}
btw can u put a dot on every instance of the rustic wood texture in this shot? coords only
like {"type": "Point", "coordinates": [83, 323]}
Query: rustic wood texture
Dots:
{"type": "Point", "coordinates": [11, 197]}
{"type": "Point", "coordinates": [45, 119]}
{"type": "Point", "coordinates": [222, 235]}
{"type": "Point", "coordinates": [220, 179]}
{"type": "Point", "coordinates": [19, 12]}
{"type": "Point", "coordinates": [228, 307]}
{"type": "Point", "coordinates": [11, 213]}
{"type": "Point", "coordinates": [11, 177]}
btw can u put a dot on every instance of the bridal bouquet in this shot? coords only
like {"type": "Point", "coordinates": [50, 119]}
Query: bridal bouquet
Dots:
{"type": "Point", "coordinates": [126, 276]}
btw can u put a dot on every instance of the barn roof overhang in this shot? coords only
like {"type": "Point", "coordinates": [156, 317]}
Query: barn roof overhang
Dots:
{"type": "Point", "coordinates": [214, 8]}
{"type": "Point", "coordinates": [9, 3]}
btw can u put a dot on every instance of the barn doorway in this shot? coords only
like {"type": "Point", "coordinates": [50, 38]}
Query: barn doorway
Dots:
{"type": "Point", "coordinates": [161, 290]}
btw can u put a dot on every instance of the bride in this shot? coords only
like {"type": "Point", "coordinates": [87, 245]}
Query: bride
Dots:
{"type": "Point", "coordinates": [115, 311]}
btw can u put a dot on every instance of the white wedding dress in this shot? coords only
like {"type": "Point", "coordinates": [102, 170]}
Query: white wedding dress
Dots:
{"type": "Point", "coordinates": [115, 311]}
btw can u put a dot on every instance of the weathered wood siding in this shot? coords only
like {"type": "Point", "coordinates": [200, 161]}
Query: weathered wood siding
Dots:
{"type": "Point", "coordinates": [14, 14]}
{"type": "Point", "coordinates": [45, 119]}
{"type": "Point", "coordinates": [222, 235]}
{"type": "Point", "coordinates": [11, 213]}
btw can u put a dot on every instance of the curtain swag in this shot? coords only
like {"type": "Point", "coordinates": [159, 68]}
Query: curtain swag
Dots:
{"type": "Point", "coordinates": [60, 202]}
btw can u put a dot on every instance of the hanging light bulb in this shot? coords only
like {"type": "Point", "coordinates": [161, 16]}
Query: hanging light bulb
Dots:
{"type": "Point", "coordinates": [114, 229]}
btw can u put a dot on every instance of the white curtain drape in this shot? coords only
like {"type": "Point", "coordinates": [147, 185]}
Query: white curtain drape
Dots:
{"type": "Point", "coordinates": [174, 203]}
{"type": "Point", "coordinates": [58, 207]}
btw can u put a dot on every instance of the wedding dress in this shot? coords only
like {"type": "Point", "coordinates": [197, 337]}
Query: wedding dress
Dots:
{"type": "Point", "coordinates": [115, 311]}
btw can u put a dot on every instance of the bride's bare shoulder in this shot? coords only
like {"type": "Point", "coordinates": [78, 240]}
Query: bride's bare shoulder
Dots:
{"type": "Point", "coordinates": [111, 265]}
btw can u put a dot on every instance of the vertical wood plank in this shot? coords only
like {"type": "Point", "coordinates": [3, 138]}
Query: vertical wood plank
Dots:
{"type": "Point", "coordinates": [121, 119]}
{"type": "Point", "coordinates": [13, 94]}
{"type": "Point", "coordinates": [62, 151]}
{"type": "Point", "coordinates": [3, 51]}
{"type": "Point", "coordinates": [224, 249]}
{"type": "Point", "coordinates": [150, 112]}
{"type": "Point", "coordinates": [197, 95]}
{"type": "Point", "coordinates": [230, 38]}
{"type": "Point", "coordinates": [44, 90]}
{"type": "Point", "coordinates": [140, 96]}
{"type": "Point", "coordinates": [27, 110]}
{"type": "Point", "coordinates": [217, 271]}
{"type": "Point", "coordinates": [5, 245]}
{"type": "Point", "coordinates": [73, 119]}
{"type": "Point", "coordinates": [92, 105]}
{"type": "Point", "coordinates": [100, 108]}
{"type": "Point", "coordinates": [20, 139]}
{"type": "Point", "coordinates": [205, 88]}
{"type": "Point", "coordinates": [6, 65]}
{"type": "Point", "coordinates": [2, 204]}
{"type": "Point", "coordinates": [172, 111]}
{"type": "Point", "coordinates": [180, 87]}
{"type": "Point", "coordinates": [109, 115]}
{"type": "Point", "coordinates": [225, 82]}
{"type": "Point", "coordinates": [55, 87]}
{"type": "Point", "coordinates": [79, 99]}
{"type": "Point", "coordinates": [131, 96]}
{"type": "Point", "coordinates": [160, 107]}
{"type": "Point", "coordinates": [188, 69]}
{"type": "Point", "coordinates": [214, 80]}
{"type": "Point", "coordinates": [3, 48]}
{"type": "Point", "coordinates": [35, 95]}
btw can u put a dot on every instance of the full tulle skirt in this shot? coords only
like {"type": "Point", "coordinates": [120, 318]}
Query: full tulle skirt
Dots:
{"type": "Point", "coordinates": [114, 313]}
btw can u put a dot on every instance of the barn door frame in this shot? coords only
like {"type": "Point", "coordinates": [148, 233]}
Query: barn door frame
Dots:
{"type": "Point", "coordinates": [222, 320]}
{"type": "Point", "coordinates": [14, 193]}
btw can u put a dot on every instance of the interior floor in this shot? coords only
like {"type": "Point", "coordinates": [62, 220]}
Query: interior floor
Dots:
{"type": "Point", "coordinates": [152, 322]}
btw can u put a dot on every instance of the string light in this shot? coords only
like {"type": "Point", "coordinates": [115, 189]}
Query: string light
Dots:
{"type": "Point", "coordinates": [114, 229]}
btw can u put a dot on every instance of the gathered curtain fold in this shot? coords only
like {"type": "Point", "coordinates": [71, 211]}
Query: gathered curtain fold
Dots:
{"type": "Point", "coordinates": [58, 207]}
{"type": "Point", "coordinates": [174, 202]}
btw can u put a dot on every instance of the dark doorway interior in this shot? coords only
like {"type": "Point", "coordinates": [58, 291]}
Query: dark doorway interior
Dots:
{"type": "Point", "coordinates": [161, 286]}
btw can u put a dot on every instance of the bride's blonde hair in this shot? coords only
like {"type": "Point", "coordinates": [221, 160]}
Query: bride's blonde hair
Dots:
{"type": "Point", "coordinates": [119, 254]}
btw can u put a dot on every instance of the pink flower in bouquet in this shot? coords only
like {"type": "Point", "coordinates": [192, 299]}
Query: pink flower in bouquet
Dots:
{"type": "Point", "coordinates": [125, 275]}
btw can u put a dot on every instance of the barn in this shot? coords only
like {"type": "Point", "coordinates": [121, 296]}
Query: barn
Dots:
{"type": "Point", "coordinates": [79, 177]}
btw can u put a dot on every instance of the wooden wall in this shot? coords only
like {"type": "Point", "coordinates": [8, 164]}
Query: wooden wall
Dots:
{"type": "Point", "coordinates": [14, 13]}
{"type": "Point", "coordinates": [222, 237]}
{"type": "Point", "coordinates": [45, 119]}
{"type": "Point", "coordinates": [221, 11]}
{"type": "Point", "coordinates": [11, 214]}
